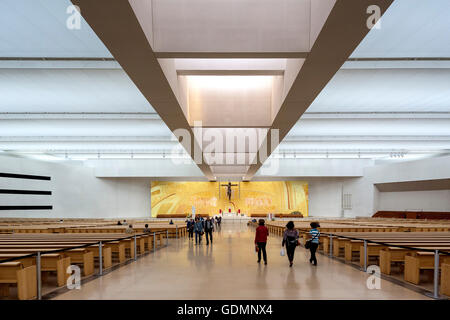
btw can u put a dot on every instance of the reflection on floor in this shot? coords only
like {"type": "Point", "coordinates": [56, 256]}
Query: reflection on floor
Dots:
{"type": "Point", "coordinates": [228, 270]}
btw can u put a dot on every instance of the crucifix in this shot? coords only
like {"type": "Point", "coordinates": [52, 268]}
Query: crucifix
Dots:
{"type": "Point", "coordinates": [229, 185]}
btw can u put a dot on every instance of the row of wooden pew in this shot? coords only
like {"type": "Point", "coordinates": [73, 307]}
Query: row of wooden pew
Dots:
{"type": "Point", "coordinates": [77, 245]}
{"type": "Point", "coordinates": [413, 250]}
{"type": "Point", "coordinates": [177, 229]}
{"type": "Point", "coordinates": [395, 246]}
{"type": "Point", "coordinates": [363, 225]}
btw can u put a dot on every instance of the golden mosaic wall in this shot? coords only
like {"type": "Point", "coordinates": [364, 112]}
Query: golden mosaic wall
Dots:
{"type": "Point", "coordinates": [209, 197]}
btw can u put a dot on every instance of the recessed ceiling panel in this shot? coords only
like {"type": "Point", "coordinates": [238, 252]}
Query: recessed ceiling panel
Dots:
{"type": "Point", "coordinates": [231, 26]}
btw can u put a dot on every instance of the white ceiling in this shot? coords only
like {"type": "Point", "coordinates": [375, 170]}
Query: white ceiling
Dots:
{"type": "Point", "coordinates": [36, 28]}
{"type": "Point", "coordinates": [69, 90]}
{"type": "Point", "coordinates": [385, 90]}
{"type": "Point", "coordinates": [409, 28]}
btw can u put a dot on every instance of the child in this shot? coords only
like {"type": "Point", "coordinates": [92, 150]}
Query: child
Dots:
{"type": "Point", "coordinates": [315, 235]}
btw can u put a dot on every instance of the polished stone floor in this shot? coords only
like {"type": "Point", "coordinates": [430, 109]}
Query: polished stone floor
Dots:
{"type": "Point", "coordinates": [228, 270]}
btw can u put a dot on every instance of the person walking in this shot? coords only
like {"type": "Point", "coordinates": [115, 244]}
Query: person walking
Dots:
{"type": "Point", "coordinates": [198, 229]}
{"type": "Point", "coordinates": [209, 228]}
{"type": "Point", "coordinates": [290, 240]}
{"type": "Point", "coordinates": [261, 240]}
{"type": "Point", "coordinates": [190, 227]}
{"type": "Point", "coordinates": [314, 235]}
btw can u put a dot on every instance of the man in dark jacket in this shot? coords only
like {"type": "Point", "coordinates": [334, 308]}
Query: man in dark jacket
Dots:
{"type": "Point", "coordinates": [199, 230]}
{"type": "Point", "coordinates": [190, 228]}
{"type": "Point", "coordinates": [209, 228]}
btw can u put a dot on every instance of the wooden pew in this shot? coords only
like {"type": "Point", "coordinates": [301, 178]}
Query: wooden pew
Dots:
{"type": "Point", "coordinates": [19, 244]}
{"type": "Point", "coordinates": [81, 256]}
{"type": "Point", "coordinates": [14, 273]}
{"type": "Point", "coordinates": [389, 255]}
{"type": "Point", "coordinates": [445, 279]}
{"type": "Point", "coordinates": [55, 262]}
{"type": "Point", "coordinates": [416, 261]}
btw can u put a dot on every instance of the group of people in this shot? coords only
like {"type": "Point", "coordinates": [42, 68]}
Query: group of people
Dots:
{"type": "Point", "coordinates": [128, 230]}
{"type": "Point", "coordinates": [201, 226]}
{"type": "Point", "coordinates": [290, 241]}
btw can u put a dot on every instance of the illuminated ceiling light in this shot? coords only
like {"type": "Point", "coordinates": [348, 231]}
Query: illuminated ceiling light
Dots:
{"type": "Point", "coordinates": [242, 82]}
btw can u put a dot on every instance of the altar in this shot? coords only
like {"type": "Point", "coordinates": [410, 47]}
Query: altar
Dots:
{"type": "Point", "coordinates": [233, 216]}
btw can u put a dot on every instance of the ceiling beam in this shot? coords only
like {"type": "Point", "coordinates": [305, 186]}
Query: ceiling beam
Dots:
{"type": "Point", "coordinates": [422, 185]}
{"type": "Point", "coordinates": [231, 55]}
{"type": "Point", "coordinates": [344, 29]}
{"type": "Point", "coordinates": [79, 116]}
{"type": "Point", "coordinates": [117, 26]}
{"type": "Point", "coordinates": [376, 115]}
{"type": "Point", "coordinates": [325, 138]}
{"type": "Point", "coordinates": [88, 138]}
{"type": "Point", "coordinates": [154, 116]}
{"type": "Point", "coordinates": [401, 59]}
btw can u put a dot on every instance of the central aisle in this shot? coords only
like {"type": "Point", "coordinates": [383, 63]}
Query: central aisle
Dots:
{"type": "Point", "coordinates": [228, 270]}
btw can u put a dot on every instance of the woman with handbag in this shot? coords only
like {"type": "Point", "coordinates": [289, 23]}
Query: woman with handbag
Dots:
{"type": "Point", "coordinates": [313, 243]}
{"type": "Point", "coordinates": [290, 239]}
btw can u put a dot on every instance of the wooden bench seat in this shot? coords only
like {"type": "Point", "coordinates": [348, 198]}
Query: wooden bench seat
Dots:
{"type": "Point", "coordinates": [55, 262]}
{"type": "Point", "coordinates": [416, 261]}
{"type": "Point", "coordinates": [15, 273]}
{"type": "Point", "coordinates": [389, 255]}
{"type": "Point", "coordinates": [445, 278]}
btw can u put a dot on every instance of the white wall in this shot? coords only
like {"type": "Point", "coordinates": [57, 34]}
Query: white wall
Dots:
{"type": "Point", "coordinates": [425, 169]}
{"type": "Point", "coordinates": [283, 169]}
{"type": "Point", "coordinates": [437, 200]}
{"type": "Point", "coordinates": [76, 192]}
{"type": "Point", "coordinates": [325, 197]}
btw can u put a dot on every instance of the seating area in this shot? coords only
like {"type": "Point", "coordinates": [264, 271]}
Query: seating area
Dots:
{"type": "Point", "coordinates": [404, 249]}
{"type": "Point", "coordinates": [70, 243]}
{"type": "Point", "coordinates": [172, 216]}
{"type": "Point", "coordinates": [413, 215]}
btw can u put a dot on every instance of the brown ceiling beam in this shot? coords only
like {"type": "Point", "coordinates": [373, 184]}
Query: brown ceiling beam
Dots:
{"type": "Point", "coordinates": [117, 26]}
{"type": "Point", "coordinates": [344, 29]}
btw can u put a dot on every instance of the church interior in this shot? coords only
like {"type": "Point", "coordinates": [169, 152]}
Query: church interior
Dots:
{"type": "Point", "coordinates": [224, 150]}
